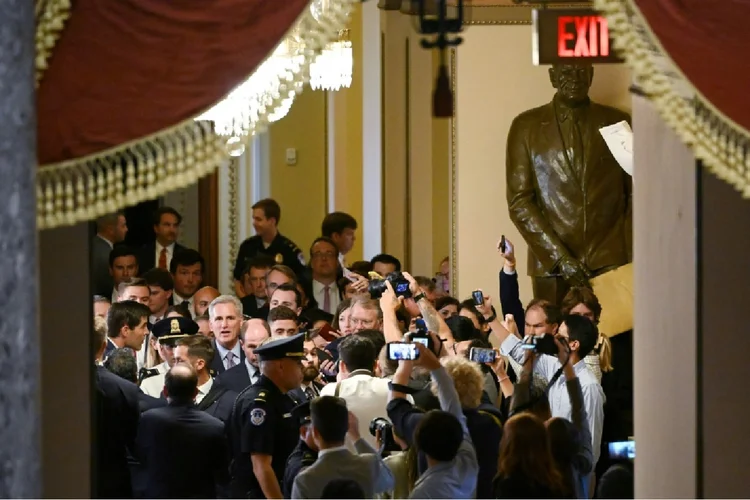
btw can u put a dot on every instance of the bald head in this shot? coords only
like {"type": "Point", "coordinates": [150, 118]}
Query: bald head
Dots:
{"type": "Point", "coordinates": [203, 298]}
{"type": "Point", "coordinates": [254, 332]}
{"type": "Point", "coordinates": [181, 383]}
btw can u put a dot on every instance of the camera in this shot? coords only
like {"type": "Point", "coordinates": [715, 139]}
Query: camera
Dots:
{"type": "Point", "coordinates": [400, 285]}
{"type": "Point", "coordinates": [388, 444]}
{"type": "Point", "coordinates": [542, 344]}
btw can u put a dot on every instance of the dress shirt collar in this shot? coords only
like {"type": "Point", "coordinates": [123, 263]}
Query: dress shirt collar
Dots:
{"type": "Point", "coordinates": [223, 351]}
{"type": "Point", "coordinates": [564, 111]}
{"type": "Point", "coordinates": [251, 370]}
{"type": "Point", "coordinates": [203, 390]}
{"type": "Point", "coordinates": [332, 450]}
{"type": "Point", "coordinates": [170, 248]}
{"type": "Point", "coordinates": [114, 296]}
{"type": "Point", "coordinates": [111, 245]}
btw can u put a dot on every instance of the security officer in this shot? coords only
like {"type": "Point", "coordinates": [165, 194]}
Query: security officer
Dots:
{"type": "Point", "coordinates": [262, 430]}
{"type": "Point", "coordinates": [166, 332]}
{"type": "Point", "coordinates": [305, 454]}
{"type": "Point", "coordinates": [268, 240]}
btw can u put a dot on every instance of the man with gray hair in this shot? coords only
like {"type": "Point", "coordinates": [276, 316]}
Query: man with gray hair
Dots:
{"type": "Point", "coordinates": [225, 319]}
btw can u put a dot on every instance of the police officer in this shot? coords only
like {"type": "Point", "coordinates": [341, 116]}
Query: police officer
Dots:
{"type": "Point", "coordinates": [268, 241]}
{"type": "Point", "coordinates": [166, 332]}
{"type": "Point", "coordinates": [305, 454]}
{"type": "Point", "coordinates": [262, 429]}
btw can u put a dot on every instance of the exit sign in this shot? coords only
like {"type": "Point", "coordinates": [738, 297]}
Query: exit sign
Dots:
{"type": "Point", "coordinates": [571, 36]}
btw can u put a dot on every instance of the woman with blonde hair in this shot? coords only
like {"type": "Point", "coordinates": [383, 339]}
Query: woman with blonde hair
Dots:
{"type": "Point", "coordinates": [526, 468]}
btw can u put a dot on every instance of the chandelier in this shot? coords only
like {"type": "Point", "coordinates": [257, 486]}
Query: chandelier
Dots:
{"type": "Point", "coordinates": [253, 98]}
{"type": "Point", "coordinates": [332, 69]}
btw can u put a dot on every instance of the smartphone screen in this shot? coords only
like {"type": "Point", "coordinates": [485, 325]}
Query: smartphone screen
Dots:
{"type": "Point", "coordinates": [398, 351]}
{"type": "Point", "coordinates": [323, 355]}
{"type": "Point", "coordinates": [480, 355]}
{"type": "Point", "coordinates": [478, 297]}
{"type": "Point", "coordinates": [622, 450]}
{"type": "Point", "coordinates": [422, 340]}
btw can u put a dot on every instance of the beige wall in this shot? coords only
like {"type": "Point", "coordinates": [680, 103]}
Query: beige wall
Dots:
{"type": "Point", "coordinates": [495, 82]}
{"type": "Point", "coordinates": [300, 189]}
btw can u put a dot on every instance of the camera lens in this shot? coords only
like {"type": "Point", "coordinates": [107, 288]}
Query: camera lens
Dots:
{"type": "Point", "coordinates": [378, 423]}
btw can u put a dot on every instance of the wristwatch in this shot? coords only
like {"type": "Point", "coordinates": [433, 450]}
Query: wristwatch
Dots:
{"type": "Point", "coordinates": [419, 297]}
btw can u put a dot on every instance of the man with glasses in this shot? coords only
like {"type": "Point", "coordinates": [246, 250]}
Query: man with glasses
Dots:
{"type": "Point", "coordinates": [324, 266]}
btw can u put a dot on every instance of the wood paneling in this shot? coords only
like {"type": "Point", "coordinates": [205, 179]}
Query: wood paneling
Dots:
{"type": "Point", "coordinates": [208, 227]}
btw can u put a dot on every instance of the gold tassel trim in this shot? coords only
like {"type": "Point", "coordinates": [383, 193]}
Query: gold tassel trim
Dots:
{"type": "Point", "coordinates": [713, 137]}
{"type": "Point", "coordinates": [51, 16]}
{"type": "Point", "coordinates": [89, 187]}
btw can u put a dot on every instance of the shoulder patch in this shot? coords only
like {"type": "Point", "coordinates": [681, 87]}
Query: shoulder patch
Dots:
{"type": "Point", "coordinates": [257, 416]}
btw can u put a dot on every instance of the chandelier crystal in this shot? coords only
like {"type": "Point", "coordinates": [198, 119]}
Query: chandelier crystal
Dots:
{"type": "Point", "coordinates": [332, 69]}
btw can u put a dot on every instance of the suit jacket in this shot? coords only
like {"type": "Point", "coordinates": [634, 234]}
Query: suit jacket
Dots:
{"type": "Point", "coordinates": [510, 299]}
{"type": "Point", "coordinates": [366, 468]}
{"type": "Point", "coordinates": [146, 402]}
{"type": "Point", "coordinates": [560, 211]}
{"type": "Point", "coordinates": [299, 395]}
{"type": "Point", "coordinates": [217, 364]}
{"type": "Point", "coordinates": [117, 416]}
{"type": "Point", "coordinates": [250, 308]}
{"type": "Point", "coordinates": [183, 452]}
{"type": "Point", "coordinates": [218, 402]}
{"type": "Point", "coordinates": [103, 283]}
{"type": "Point", "coordinates": [147, 256]}
{"type": "Point", "coordinates": [235, 379]}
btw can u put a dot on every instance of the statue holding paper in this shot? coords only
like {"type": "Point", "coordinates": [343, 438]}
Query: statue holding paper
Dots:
{"type": "Point", "coordinates": [567, 195]}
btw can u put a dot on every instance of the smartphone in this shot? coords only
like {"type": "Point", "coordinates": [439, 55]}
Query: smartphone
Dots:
{"type": "Point", "coordinates": [425, 341]}
{"type": "Point", "coordinates": [503, 245]}
{"type": "Point", "coordinates": [622, 450]}
{"type": "Point", "coordinates": [481, 355]}
{"type": "Point", "coordinates": [478, 297]}
{"type": "Point", "coordinates": [323, 355]}
{"type": "Point", "coordinates": [398, 351]}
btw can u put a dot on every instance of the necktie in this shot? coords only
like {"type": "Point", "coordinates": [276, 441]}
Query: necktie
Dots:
{"type": "Point", "coordinates": [163, 259]}
{"type": "Point", "coordinates": [310, 393]}
{"type": "Point", "coordinates": [230, 360]}
{"type": "Point", "coordinates": [327, 298]}
{"type": "Point", "coordinates": [575, 144]}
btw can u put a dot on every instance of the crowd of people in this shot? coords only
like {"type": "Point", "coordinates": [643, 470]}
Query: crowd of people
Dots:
{"type": "Point", "coordinates": [317, 378]}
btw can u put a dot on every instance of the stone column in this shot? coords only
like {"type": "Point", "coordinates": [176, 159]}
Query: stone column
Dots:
{"type": "Point", "coordinates": [20, 470]}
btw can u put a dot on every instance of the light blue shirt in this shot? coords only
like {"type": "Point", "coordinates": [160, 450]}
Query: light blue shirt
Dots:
{"type": "Point", "coordinates": [457, 478]}
{"type": "Point", "coordinates": [223, 351]}
{"type": "Point", "coordinates": [559, 400]}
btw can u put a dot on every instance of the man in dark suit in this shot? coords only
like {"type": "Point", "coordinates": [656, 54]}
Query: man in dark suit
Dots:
{"type": "Point", "coordinates": [253, 333]}
{"type": "Point", "coordinates": [116, 424]}
{"type": "Point", "coordinates": [253, 284]}
{"type": "Point", "coordinates": [122, 363]}
{"type": "Point", "coordinates": [567, 195]}
{"type": "Point", "coordinates": [212, 398]}
{"type": "Point", "coordinates": [225, 319]}
{"type": "Point", "coordinates": [110, 230]}
{"type": "Point", "coordinates": [159, 253]}
{"type": "Point", "coordinates": [183, 450]}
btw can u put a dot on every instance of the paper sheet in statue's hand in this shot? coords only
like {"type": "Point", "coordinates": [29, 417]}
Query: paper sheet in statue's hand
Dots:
{"type": "Point", "coordinates": [619, 139]}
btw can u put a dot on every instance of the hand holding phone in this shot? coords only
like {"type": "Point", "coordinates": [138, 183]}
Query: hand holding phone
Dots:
{"type": "Point", "coordinates": [323, 355]}
{"type": "Point", "coordinates": [402, 351]}
{"type": "Point", "coordinates": [482, 356]}
{"type": "Point", "coordinates": [478, 297]}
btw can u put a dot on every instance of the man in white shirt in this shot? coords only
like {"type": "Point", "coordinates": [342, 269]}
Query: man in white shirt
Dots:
{"type": "Point", "coordinates": [324, 268]}
{"type": "Point", "coordinates": [187, 272]}
{"type": "Point", "coordinates": [366, 395]}
{"type": "Point", "coordinates": [167, 332]}
{"type": "Point", "coordinates": [225, 318]}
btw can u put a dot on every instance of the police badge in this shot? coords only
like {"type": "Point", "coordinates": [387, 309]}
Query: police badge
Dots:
{"type": "Point", "coordinates": [279, 258]}
{"type": "Point", "coordinates": [257, 416]}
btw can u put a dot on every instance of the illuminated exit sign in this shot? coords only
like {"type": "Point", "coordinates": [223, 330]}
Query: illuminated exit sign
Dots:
{"type": "Point", "coordinates": [571, 36]}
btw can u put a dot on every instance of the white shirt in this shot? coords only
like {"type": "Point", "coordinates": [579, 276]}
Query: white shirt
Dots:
{"type": "Point", "coordinates": [177, 300]}
{"type": "Point", "coordinates": [153, 386]}
{"type": "Point", "coordinates": [140, 355]}
{"type": "Point", "coordinates": [252, 371]}
{"type": "Point", "coordinates": [223, 351]}
{"type": "Point", "coordinates": [319, 294]}
{"type": "Point", "coordinates": [170, 253]}
{"type": "Point", "coordinates": [203, 390]}
{"type": "Point", "coordinates": [114, 296]}
{"type": "Point", "coordinates": [367, 397]}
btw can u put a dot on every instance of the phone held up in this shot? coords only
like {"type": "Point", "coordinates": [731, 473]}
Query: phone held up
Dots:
{"type": "Point", "coordinates": [323, 355]}
{"type": "Point", "coordinates": [478, 297]}
{"type": "Point", "coordinates": [398, 351]}
{"type": "Point", "coordinates": [482, 355]}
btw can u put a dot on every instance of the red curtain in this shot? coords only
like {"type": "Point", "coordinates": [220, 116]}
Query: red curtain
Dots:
{"type": "Point", "coordinates": [709, 42]}
{"type": "Point", "coordinates": [125, 69]}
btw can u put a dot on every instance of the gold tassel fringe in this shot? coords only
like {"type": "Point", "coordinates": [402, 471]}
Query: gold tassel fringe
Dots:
{"type": "Point", "coordinates": [714, 138]}
{"type": "Point", "coordinates": [86, 188]}
{"type": "Point", "coordinates": [51, 16]}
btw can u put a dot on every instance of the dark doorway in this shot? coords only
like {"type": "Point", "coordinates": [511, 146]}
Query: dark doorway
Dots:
{"type": "Point", "coordinates": [141, 223]}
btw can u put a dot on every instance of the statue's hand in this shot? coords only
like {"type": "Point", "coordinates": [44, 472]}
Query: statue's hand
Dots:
{"type": "Point", "coordinates": [574, 271]}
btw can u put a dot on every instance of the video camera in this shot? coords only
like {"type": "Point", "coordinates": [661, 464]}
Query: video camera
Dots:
{"type": "Point", "coordinates": [400, 285]}
{"type": "Point", "coordinates": [542, 344]}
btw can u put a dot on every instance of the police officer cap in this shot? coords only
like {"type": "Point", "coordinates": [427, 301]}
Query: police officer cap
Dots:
{"type": "Point", "coordinates": [302, 413]}
{"type": "Point", "coordinates": [288, 347]}
{"type": "Point", "coordinates": [168, 330]}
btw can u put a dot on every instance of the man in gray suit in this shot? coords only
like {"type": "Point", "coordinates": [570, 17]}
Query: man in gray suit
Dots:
{"type": "Point", "coordinates": [110, 229]}
{"type": "Point", "coordinates": [331, 421]}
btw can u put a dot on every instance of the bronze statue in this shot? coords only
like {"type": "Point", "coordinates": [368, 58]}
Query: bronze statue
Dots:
{"type": "Point", "coordinates": [567, 195]}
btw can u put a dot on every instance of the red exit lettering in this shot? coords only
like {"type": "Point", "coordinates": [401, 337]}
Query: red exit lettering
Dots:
{"type": "Point", "coordinates": [582, 36]}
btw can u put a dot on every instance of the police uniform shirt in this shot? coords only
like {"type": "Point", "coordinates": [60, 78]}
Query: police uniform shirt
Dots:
{"type": "Point", "coordinates": [262, 423]}
{"type": "Point", "coordinates": [302, 456]}
{"type": "Point", "coordinates": [282, 250]}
